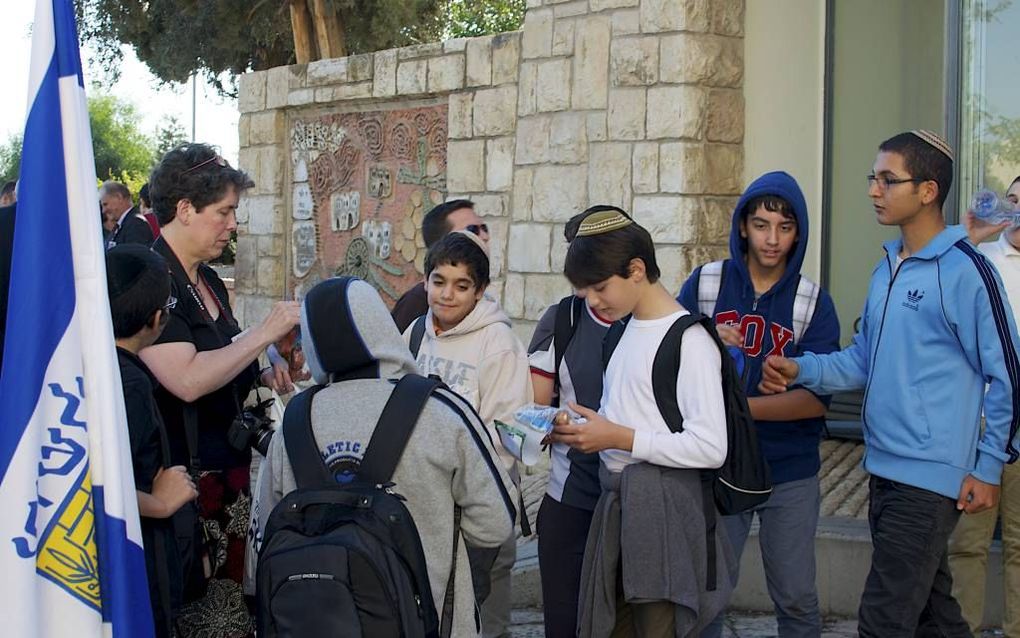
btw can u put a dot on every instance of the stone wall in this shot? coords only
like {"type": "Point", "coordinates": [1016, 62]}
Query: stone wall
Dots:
{"type": "Point", "coordinates": [636, 103]}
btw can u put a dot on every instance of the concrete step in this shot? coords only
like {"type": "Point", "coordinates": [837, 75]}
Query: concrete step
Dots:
{"type": "Point", "coordinates": [843, 558]}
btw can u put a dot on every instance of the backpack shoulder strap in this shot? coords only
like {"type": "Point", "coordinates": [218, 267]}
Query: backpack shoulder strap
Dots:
{"type": "Point", "coordinates": [394, 427]}
{"type": "Point", "coordinates": [804, 306]}
{"type": "Point", "coordinates": [417, 334]}
{"type": "Point", "coordinates": [665, 369]}
{"type": "Point", "coordinates": [302, 450]}
{"type": "Point", "coordinates": [710, 280]}
{"type": "Point", "coordinates": [567, 315]}
{"type": "Point", "coordinates": [612, 339]}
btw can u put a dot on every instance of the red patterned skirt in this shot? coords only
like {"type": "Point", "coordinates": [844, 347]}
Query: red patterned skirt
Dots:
{"type": "Point", "coordinates": [224, 503]}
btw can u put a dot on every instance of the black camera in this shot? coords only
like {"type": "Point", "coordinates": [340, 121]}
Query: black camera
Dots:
{"type": "Point", "coordinates": [252, 428]}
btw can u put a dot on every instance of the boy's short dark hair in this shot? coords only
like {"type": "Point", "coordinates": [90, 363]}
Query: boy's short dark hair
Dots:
{"type": "Point", "coordinates": [570, 230]}
{"type": "Point", "coordinates": [194, 172]}
{"type": "Point", "coordinates": [457, 249]}
{"type": "Point", "coordinates": [771, 203]}
{"type": "Point", "coordinates": [434, 225]}
{"type": "Point", "coordinates": [922, 161]}
{"type": "Point", "coordinates": [138, 283]}
{"type": "Point", "coordinates": [143, 196]}
{"type": "Point", "coordinates": [595, 258]}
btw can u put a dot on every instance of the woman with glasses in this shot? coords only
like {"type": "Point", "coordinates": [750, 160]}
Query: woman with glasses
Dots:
{"type": "Point", "coordinates": [206, 366]}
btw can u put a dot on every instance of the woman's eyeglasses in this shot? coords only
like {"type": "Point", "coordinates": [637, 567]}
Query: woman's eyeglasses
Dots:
{"type": "Point", "coordinates": [170, 304]}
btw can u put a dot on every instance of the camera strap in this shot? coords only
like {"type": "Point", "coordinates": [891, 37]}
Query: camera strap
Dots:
{"type": "Point", "coordinates": [191, 436]}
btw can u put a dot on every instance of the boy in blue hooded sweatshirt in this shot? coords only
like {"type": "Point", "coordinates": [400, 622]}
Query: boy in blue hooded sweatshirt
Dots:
{"type": "Point", "coordinates": [936, 330]}
{"type": "Point", "coordinates": [763, 305]}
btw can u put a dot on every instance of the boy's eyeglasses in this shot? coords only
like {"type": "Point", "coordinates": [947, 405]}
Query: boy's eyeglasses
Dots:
{"type": "Point", "coordinates": [885, 182]}
{"type": "Point", "coordinates": [222, 163]}
{"type": "Point", "coordinates": [477, 229]}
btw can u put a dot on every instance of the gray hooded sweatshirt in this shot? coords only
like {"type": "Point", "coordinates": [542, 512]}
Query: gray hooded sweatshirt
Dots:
{"type": "Point", "coordinates": [449, 460]}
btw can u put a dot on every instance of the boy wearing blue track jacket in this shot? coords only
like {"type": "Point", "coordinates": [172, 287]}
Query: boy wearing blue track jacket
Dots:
{"type": "Point", "coordinates": [762, 304]}
{"type": "Point", "coordinates": [936, 329]}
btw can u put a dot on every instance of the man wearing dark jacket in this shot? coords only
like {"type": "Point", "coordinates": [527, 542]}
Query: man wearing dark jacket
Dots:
{"type": "Point", "coordinates": [765, 306]}
{"type": "Point", "coordinates": [129, 226]}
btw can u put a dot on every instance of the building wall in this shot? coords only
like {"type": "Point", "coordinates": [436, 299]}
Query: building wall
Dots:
{"type": "Point", "coordinates": [784, 86]}
{"type": "Point", "coordinates": [636, 103]}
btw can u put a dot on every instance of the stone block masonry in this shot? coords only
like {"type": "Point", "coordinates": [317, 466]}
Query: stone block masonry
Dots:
{"type": "Point", "coordinates": [635, 103]}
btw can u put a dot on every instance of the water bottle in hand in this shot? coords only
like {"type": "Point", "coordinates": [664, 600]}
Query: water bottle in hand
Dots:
{"type": "Point", "coordinates": [988, 207]}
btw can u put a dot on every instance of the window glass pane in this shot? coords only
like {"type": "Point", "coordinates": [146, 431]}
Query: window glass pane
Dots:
{"type": "Point", "coordinates": [990, 97]}
{"type": "Point", "coordinates": [887, 77]}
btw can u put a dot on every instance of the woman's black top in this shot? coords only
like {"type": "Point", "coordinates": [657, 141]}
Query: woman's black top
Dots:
{"type": "Point", "coordinates": [191, 322]}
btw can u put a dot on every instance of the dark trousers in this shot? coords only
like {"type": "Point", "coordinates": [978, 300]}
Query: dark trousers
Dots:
{"type": "Point", "coordinates": [562, 534]}
{"type": "Point", "coordinates": [909, 588]}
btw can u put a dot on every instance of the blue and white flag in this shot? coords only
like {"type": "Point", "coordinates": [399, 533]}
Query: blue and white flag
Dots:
{"type": "Point", "coordinates": [71, 554]}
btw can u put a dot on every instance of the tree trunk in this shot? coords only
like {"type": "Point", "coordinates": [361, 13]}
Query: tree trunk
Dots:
{"type": "Point", "coordinates": [328, 32]}
{"type": "Point", "coordinates": [305, 48]}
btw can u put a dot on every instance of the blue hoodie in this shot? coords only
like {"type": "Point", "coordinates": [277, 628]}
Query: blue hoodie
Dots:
{"type": "Point", "coordinates": [934, 334]}
{"type": "Point", "coordinates": [790, 447]}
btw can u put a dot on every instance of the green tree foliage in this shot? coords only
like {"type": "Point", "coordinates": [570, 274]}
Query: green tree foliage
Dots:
{"type": "Point", "coordinates": [470, 18]}
{"type": "Point", "coordinates": [223, 38]}
{"type": "Point", "coordinates": [220, 39]}
{"type": "Point", "coordinates": [122, 151]}
{"type": "Point", "coordinates": [10, 159]}
{"type": "Point", "coordinates": [169, 135]}
{"type": "Point", "coordinates": [120, 147]}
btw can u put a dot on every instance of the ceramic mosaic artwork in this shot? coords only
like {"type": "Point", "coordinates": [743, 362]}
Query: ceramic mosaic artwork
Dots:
{"type": "Point", "coordinates": [360, 185]}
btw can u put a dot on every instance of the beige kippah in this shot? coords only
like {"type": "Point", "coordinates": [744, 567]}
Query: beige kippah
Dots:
{"type": "Point", "coordinates": [934, 139]}
{"type": "Point", "coordinates": [475, 238]}
{"type": "Point", "coordinates": [603, 222]}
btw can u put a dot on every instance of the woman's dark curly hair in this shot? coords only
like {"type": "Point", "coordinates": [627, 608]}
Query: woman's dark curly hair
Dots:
{"type": "Point", "coordinates": [194, 172]}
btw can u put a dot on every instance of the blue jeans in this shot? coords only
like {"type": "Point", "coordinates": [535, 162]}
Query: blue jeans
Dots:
{"type": "Point", "coordinates": [787, 539]}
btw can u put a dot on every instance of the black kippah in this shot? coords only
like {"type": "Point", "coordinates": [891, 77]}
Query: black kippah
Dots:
{"type": "Point", "coordinates": [126, 264]}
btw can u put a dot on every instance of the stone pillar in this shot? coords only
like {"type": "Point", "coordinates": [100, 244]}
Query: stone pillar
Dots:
{"type": "Point", "coordinates": [634, 103]}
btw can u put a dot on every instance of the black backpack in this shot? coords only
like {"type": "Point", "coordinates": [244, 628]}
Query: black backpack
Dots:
{"type": "Point", "coordinates": [744, 480]}
{"type": "Point", "coordinates": [347, 560]}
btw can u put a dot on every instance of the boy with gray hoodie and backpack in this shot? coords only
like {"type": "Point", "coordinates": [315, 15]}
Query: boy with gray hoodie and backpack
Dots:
{"type": "Point", "coordinates": [433, 455]}
{"type": "Point", "coordinates": [466, 340]}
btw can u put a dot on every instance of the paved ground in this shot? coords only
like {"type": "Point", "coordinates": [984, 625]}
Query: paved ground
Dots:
{"type": "Point", "coordinates": [527, 623]}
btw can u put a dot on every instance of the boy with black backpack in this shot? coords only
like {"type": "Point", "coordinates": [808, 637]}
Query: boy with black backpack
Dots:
{"type": "Point", "coordinates": [370, 493]}
{"type": "Point", "coordinates": [658, 475]}
{"type": "Point", "coordinates": [565, 355]}
{"type": "Point", "coordinates": [762, 304]}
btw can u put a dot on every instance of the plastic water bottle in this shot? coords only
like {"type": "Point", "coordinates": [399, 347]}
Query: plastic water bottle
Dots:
{"type": "Point", "coordinates": [542, 418]}
{"type": "Point", "coordinates": [988, 207]}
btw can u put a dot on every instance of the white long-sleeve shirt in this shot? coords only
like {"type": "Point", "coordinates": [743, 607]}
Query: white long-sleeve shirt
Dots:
{"type": "Point", "coordinates": [628, 399]}
{"type": "Point", "coordinates": [1006, 259]}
